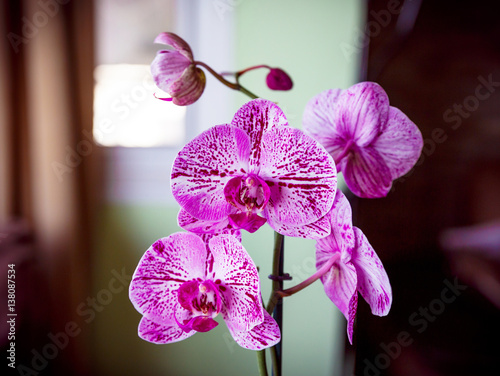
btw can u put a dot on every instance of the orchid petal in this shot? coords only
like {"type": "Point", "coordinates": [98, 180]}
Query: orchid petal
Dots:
{"type": "Point", "coordinates": [318, 121]}
{"type": "Point", "coordinates": [316, 230]}
{"type": "Point", "coordinates": [176, 42]}
{"type": "Point", "coordinates": [399, 144]}
{"type": "Point", "coordinates": [360, 113]}
{"type": "Point", "coordinates": [339, 283]}
{"type": "Point", "coordinates": [206, 229]}
{"type": "Point", "coordinates": [247, 221]}
{"type": "Point", "coordinates": [203, 168]}
{"type": "Point", "coordinates": [161, 333]}
{"type": "Point", "coordinates": [366, 173]}
{"type": "Point", "coordinates": [342, 234]}
{"type": "Point", "coordinates": [301, 176]}
{"type": "Point", "coordinates": [373, 282]}
{"type": "Point", "coordinates": [167, 67]}
{"type": "Point", "coordinates": [239, 286]}
{"type": "Point", "coordinates": [353, 307]}
{"type": "Point", "coordinates": [167, 264]}
{"type": "Point", "coordinates": [189, 87]}
{"type": "Point", "coordinates": [262, 336]}
{"type": "Point", "coordinates": [255, 118]}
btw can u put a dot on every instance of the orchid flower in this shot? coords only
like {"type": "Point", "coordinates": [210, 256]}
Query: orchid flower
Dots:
{"type": "Point", "coordinates": [175, 72]}
{"type": "Point", "coordinates": [181, 284]}
{"type": "Point", "coordinates": [354, 266]}
{"type": "Point", "coordinates": [257, 165]}
{"type": "Point", "coordinates": [372, 143]}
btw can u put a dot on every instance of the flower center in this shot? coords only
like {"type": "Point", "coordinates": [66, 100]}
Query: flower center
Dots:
{"type": "Point", "coordinates": [247, 193]}
{"type": "Point", "coordinates": [202, 300]}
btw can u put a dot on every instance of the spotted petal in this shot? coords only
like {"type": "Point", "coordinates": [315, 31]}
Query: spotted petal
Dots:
{"type": "Point", "coordinates": [361, 112]}
{"type": "Point", "coordinates": [301, 175]}
{"type": "Point", "coordinates": [203, 168]}
{"type": "Point", "coordinates": [399, 144]}
{"type": "Point", "coordinates": [255, 118]}
{"type": "Point", "coordinates": [204, 227]}
{"type": "Point", "coordinates": [240, 288]}
{"type": "Point", "coordinates": [262, 336]}
{"type": "Point", "coordinates": [316, 230]}
{"type": "Point", "coordinates": [167, 264]}
{"type": "Point", "coordinates": [366, 173]}
{"type": "Point", "coordinates": [373, 282]}
{"type": "Point", "coordinates": [161, 333]}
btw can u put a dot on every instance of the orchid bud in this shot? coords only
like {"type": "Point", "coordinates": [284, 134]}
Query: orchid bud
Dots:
{"type": "Point", "coordinates": [277, 79]}
{"type": "Point", "coordinates": [175, 72]}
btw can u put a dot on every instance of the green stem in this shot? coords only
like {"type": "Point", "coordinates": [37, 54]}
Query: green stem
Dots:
{"type": "Point", "coordinates": [231, 85]}
{"type": "Point", "coordinates": [274, 358]}
{"type": "Point", "coordinates": [261, 358]}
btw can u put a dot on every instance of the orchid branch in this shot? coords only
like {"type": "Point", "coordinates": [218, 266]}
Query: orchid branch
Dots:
{"type": "Point", "coordinates": [231, 85]}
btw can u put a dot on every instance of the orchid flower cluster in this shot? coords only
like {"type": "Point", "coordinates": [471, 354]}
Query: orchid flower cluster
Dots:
{"type": "Point", "coordinates": [258, 170]}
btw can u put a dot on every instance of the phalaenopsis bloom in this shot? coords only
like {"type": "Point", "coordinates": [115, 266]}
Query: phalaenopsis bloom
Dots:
{"type": "Point", "coordinates": [356, 267]}
{"type": "Point", "coordinates": [181, 284]}
{"type": "Point", "coordinates": [256, 170]}
{"type": "Point", "coordinates": [372, 143]}
{"type": "Point", "coordinates": [174, 71]}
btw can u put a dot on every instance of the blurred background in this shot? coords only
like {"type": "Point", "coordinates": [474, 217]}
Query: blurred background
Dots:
{"type": "Point", "coordinates": [86, 152]}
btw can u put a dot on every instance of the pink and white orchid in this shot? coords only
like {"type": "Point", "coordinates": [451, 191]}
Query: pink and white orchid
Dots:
{"type": "Point", "coordinates": [372, 143]}
{"type": "Point", "coordinates": [257, 165]}
{"type": "Point", "coordinates": [181, 284]}
{"type": "Point", "coordinates": [175, 72]}
{"type": "Point", "coordinates": [354, 266]}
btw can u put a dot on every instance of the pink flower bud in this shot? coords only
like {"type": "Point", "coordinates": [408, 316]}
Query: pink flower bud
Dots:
{"type": "Point", "coordinates": [277, 79]}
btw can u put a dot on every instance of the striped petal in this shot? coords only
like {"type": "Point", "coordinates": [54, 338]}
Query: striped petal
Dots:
{"type": "Point", "coordinates": [301, 176]}
{"type": "Point", "coordinates": [366, 173]}
{"type": "Point", "coordinates": [239, 286]}
{"type": "Point", "coordinates": [167, 264]}
{"type": "Point", "coordinates": [255, 118]}
{"type": "Point", "coordinates": [179, 44]}
{"type": "Point", "coordinates": [203, 168]}
{"type": "Point", "coordinates": [318, 121]}
{"type": "Point", "coordinates": [361, 112]}
{"type": "Point", "coordinates": [339, 284]}
{"type": "Point", "coordinates": [262, 336]}
{"type": "Point", "coordinates": [189, 87]}
{"type": "Point", "coordinates": [373, 282]}
{"type": "Point", "coordinates": [399, 144]}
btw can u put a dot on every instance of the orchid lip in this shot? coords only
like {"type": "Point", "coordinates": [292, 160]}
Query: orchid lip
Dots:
{"type": "Point", "coordinates": [202, 299]}
{"type": "Point", "coordinates": [248, 193]}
